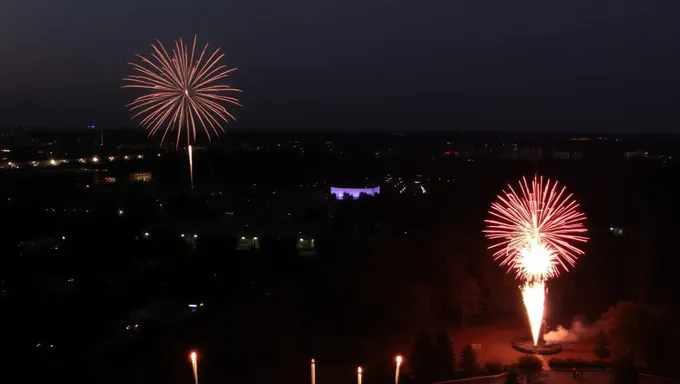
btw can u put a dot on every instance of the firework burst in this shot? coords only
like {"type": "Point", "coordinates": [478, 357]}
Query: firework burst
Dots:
{"type": "Point", "coordinates": [184, 93]}
{"type": "Point", "coordinates": [542, 217]}
{"type": "Point", "coordinates": [533, 233]}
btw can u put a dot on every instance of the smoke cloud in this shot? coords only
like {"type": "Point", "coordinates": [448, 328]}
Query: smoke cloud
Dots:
{"type": "Point", "coordinates": [578, 331]}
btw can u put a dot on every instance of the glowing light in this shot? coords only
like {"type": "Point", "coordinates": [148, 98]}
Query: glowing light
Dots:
{"type": "Point", "coordinates": [354, 192]}
{"type": "Point", "coordinates": [313, 371]}
{"type": "Point", "coordinates": [183, 93]}
{"type": "Point", "coordinates": [398, 360]}
{"type": "Point", "coordinates": [542, 213]}
{"type": "Point", "coordinates": [533, 233]}
{"type": "Point", "coordinates": [194, 365]}
{"type": "Point", "coordinates": [533, 295]}
{"type": "Point", "coordinates": [535, 262]}
{"type": "Point", "coordinates": [191, 165]}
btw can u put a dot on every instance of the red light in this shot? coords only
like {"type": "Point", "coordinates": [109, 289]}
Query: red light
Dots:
{"type": "Point", "coordinates": [63, 237]}
{"type": "Point", "coordinates": [87, 186]}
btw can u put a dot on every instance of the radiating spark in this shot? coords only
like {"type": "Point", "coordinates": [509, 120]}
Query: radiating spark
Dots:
{"type": "Point", "coordinates": [533, 232]}
{"type": "Point", "coordinates": [183, 92]}
{"type": "Point", "coordinates": [540, 213]}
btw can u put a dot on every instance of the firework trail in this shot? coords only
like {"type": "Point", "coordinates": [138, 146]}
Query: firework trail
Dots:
{"type": "Point", "coordinates": [184, 93]}
{"type": "Point", "coordinates": [534, 232]}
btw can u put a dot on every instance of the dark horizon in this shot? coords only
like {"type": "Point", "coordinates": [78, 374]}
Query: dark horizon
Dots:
{"type": "Point", "coordinates": [408, 66]}
{"type": "Point", "coordinates": [353, 131]}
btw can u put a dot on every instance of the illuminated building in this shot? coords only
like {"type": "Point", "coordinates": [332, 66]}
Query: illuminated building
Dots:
{"type": "Point", "coordinates": [141, 177]}
{"type": "Point", "coordinates": [248, 243]}
{"type": "Point", "coordinates": [306, 246]}
{"type": "Point", "coordinates": [339, 192]}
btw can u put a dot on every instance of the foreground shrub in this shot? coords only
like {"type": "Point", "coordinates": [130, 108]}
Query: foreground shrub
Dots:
{"type": "Point", "coordinates": [577, 363]}
{"type": "Point", "coordinates": [494, 367]}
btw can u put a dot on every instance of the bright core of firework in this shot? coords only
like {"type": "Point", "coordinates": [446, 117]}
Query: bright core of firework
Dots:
{"type": "Point", "coordinates": [183, 91]}
{"type": "Point", "coordinates": [541, 213]}
{"type": "Point", "coordinates": [533, 232]}
{"type": "Point", "coordinates": [535, 262]}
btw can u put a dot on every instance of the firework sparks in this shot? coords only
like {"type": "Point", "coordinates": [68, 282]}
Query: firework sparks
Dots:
{"type": "Point", "coordinates": [184, 93]}
{"type": "Point", "coordinates": [542, 213]}
{"type": "Point", "coordinates": [533, 295]}
{"type": "Point", "coordinates": [534, 231]}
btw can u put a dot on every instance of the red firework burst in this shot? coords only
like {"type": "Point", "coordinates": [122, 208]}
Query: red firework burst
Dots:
{"type": "Point", "coordinates": [541, 213]}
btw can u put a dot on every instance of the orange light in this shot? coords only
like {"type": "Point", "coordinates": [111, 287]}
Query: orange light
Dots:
{"type": "Point", "coordinates": [193, 356]}
{"type": "Point", "coordinates": [398, 359]}
{"type": "Point", "coordinates": [313, 361]}
{"type": "Point", "coordinates": [359, 370]}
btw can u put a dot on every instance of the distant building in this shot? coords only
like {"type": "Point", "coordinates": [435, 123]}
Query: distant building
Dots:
{"type": "Point", "coordinates": [306, 247]}
{"type": "Point", "coordinates": [248, 243]}
{"type": "Point", "coordinates": [141, 177]}
{"type": "Point", "coordinates": [355, 193]}
{"type": "Point", "coordinates": [616, 231]}
{"type": "Point", "coordinates": [533, 154]}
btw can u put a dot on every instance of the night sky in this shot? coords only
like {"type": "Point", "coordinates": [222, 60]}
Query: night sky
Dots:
{"type": "Point", "coordinates": [586, 66]}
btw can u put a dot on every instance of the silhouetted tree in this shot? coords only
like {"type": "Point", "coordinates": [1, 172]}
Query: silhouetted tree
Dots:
{"type": "Point", "coordinates": [511, 376]}
{"type": "Point", "coordinates": [501, 288]}
{"type": "Point", "coordinates": [412, 306]}
{"type": "Point", "coordinates": [421, 357]}
{"type": "Point", "coordinates": [624, 370]}
{"type": "Point", "coordinates": [601, 343]}
{"type": "Point", "coordinates": [468, 361]}
{"type": "Point", "coordinates": [468, 298]}
{"type": "Point", "coordinates": [444, 358]}
{"type": "Point", "coordinates": [493, 367]}
{"type": "Point", "coordinates": [624, 323]}
{"type": "Point", "coordinates": [530, 366]}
